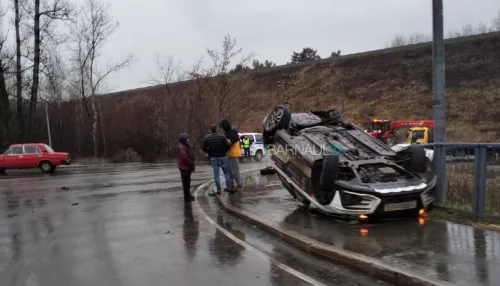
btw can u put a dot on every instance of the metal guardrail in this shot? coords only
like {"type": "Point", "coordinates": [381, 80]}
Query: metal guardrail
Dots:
{"type": "Point", "coordinates": [483, 152]}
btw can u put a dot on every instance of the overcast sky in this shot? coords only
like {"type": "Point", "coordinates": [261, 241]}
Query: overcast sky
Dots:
{"type": "Point", "coordinates": [273, 29]}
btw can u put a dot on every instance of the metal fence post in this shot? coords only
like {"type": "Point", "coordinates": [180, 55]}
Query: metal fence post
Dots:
{"type": "Point", "coordinates": [479, 191]}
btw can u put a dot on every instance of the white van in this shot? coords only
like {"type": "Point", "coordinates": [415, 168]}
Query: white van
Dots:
{"type": "Point", "coordinates": [256, 145]}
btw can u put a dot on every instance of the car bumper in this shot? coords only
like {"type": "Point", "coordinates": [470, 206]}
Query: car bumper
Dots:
{"type": "Point", "coordinates": [66, 162]}
{"type": "Point", "coordinates": [390, 205]}
{"type": "Point", "coordinates": [381, 207]}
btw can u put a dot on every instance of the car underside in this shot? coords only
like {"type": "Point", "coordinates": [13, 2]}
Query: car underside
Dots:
{"type": "Point", "coordinates": [338, 169]}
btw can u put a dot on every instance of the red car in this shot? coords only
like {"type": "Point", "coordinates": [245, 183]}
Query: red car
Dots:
{"type": "Point", "coordinates": [32, 155]}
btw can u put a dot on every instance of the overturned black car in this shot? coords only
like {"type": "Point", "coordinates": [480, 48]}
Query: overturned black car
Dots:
{"type": "Point", "coordinates": [339, 169]}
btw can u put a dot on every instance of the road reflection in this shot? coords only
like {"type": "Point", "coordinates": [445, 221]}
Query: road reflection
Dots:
{"type": "Point", "coordinates": [226, 251]}
{"type": "Point", "coordinates": [190, 231]}
{"type": "Point", "coordinates": [453, 252]}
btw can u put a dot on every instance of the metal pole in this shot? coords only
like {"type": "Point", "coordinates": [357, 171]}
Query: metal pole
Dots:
{"type": "Point", "coordinates": [439, 98]}
{"type": "Point", "coordinates": [48, 122]}
{"type": "Point", "coordinates": [479, 190]}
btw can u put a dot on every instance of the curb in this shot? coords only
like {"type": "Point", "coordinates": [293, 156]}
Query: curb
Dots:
{"type": "Point", "coordinates": [368, 265]}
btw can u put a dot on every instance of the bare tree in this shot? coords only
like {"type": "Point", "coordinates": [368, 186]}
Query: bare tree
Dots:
{"type": "Point", "coordinates": [414, 38]}
{"type": "Point", "coordinates": [169, 73]}
{"type": "Point", "coordinates": [417, 38]}
{"type": "Point", "coordinates": [495, 23]}
{"type": "Point", "coordinates": [5, 112]}
{"type": "Point", "coordinates": [55, 10]}
{"type": "Point", "coordinates": [469, 30]}
{"type": "Point", "coordinates": [482, 28]}
{"type": "Point", "coordinates": [225, 82]}
{"type": "Point", "coordinates": [54, 83]}
{"type": "Point", "coordinates": [92, 31]}
{"type": "Point", "coordinates": [19, 83]}
{"type": "Point", "coordinates": [398, 41]}
{"type": "Point", "coordinates": [170, 122]}
{"type": "Point", "coordinates": [287, 80]}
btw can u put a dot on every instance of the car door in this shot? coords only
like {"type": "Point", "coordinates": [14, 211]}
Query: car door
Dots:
{"type": "Point", "coordinates": [14, 157]}
{"type": "Point", "coordinates": [252, 144]}
{"type": "Point", "coordinates": [32, 156]}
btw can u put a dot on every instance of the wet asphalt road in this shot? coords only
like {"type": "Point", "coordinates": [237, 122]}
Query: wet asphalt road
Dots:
{"type": "Point", "coordinates": [130, 226]}
{"type": "Point", "coordinates": [453, 252]}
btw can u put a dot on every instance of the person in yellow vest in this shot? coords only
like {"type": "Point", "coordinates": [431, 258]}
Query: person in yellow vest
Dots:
{"type": "Point", "coordinates": [246, 147]}
{"type": "Point", "coordinates": [234, 153]}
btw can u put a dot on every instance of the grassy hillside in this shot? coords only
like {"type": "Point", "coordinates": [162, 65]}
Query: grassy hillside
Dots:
{"type": "Point", "coordinates": [391, 83]}
{"type": "Point", "coordinates": [397, 84]}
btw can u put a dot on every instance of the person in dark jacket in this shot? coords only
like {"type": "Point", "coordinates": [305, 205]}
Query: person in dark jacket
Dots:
{"type": "Point", "coordinates": [185, 162]}
{"type": "Point", "coordinates": [216, 147]}
{"type": "Point", "coordinates": [234, 152]}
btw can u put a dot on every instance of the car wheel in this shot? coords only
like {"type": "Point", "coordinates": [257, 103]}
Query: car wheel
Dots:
{"type": "Point", "coordinates": [2, 171]}
{"type": "Point", "coordinates": [325, 192]}
{"type": "Point", "coordinates": [46, 166]}
{"type": "Point", "coordinates": [53, 169]}
{"type": "Point", "coordinates": [419, 161]}
{"type": "Point", "coordinates": [258, 155]}
{"type": "Point", "coordinates": [278, 119]}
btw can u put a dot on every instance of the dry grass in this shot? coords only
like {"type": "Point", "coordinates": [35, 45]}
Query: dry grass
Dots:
{"type": "Point", "coordinates": [461, 184]}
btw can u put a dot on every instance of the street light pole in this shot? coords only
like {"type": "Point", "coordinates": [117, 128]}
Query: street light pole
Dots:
{"type": "Point", "coordinates": [439, 99]}
{"type": "Point", "coordinates": [48, 122]}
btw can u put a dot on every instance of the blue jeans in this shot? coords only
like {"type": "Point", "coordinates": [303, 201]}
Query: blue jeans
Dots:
{"type": "Point", "coordinates": [221, 162]}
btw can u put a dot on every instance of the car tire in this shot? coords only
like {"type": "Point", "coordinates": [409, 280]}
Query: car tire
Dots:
{"type": "Point", "coordinates": [277, 119]}
{"type": "Point", "coordinates": [46, 166]}
{"type": "Point", "coordinates": [325, 192]}
{"type": "Point", "coordinates": [258, 155]}
{"type": "Point", "coordinates": [419, 161]}
{"type": "Point", "coordinates": [2, 171]}
{"type": "Point", "coordinates": [53, 169]}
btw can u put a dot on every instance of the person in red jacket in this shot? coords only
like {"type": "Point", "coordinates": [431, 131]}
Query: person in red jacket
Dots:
{"type": "Point", "coordinates": [185, 162]}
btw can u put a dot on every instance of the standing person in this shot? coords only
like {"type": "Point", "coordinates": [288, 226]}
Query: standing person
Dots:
{"type": "Point", "coordinates": [185, 163]}
{"type": "Point", "coordinates": [246, 147]}
{"type": "Point", "coordinates": [216, 147]}
{"type": "Point", "coordinates": [234, 152]}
